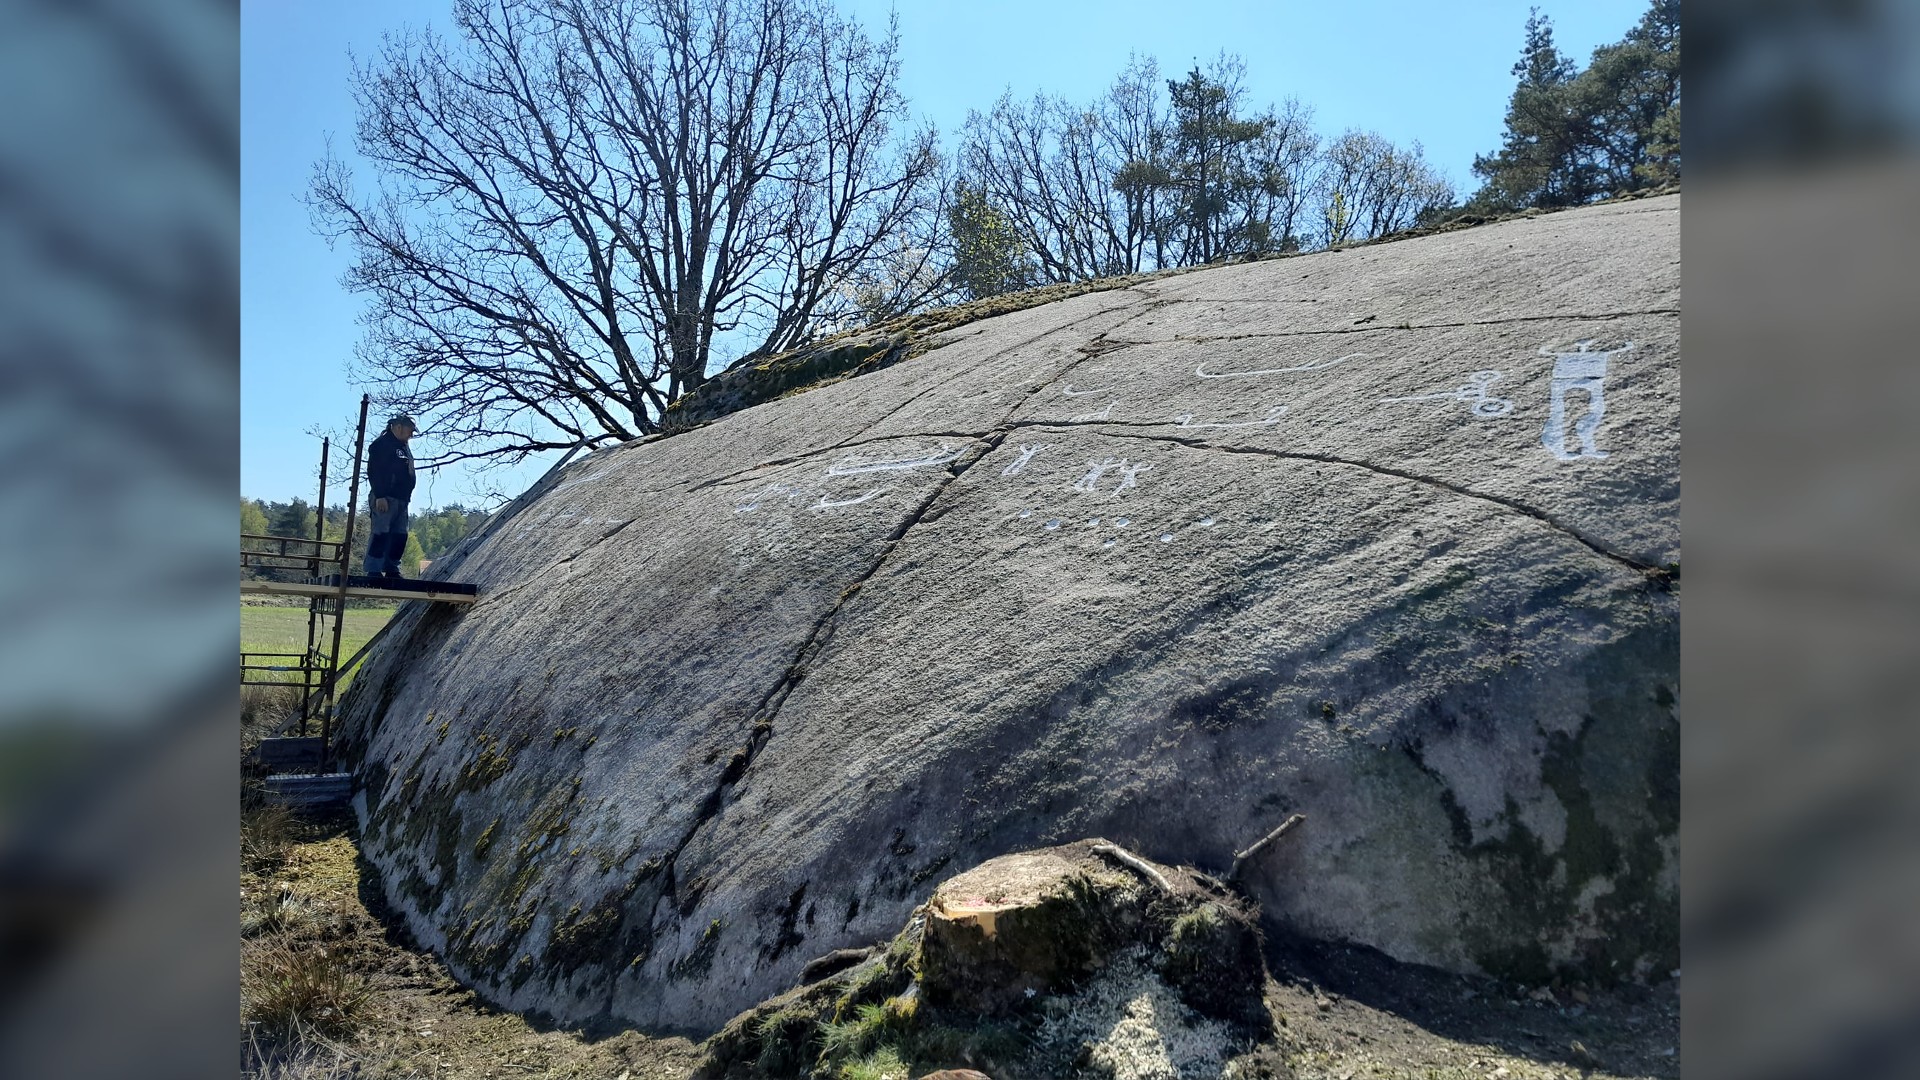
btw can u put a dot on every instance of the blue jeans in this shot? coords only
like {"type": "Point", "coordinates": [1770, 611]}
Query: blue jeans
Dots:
{"type": "Point", "coordinates": [388, 540]}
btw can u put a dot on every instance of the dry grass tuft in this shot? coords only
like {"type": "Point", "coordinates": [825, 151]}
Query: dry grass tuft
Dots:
{"type": "Point", "coordinates": [301, 995]}
{"type": "Point", "coordinates": [267, 833]}
{"type": "Point", "coordinates": [279, 910]}
{"type": "Point", "coordinates": [263, 707]}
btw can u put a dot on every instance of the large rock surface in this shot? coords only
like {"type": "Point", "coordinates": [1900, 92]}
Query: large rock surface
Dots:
{"type": "Point", "coordinates": [1164, 563]}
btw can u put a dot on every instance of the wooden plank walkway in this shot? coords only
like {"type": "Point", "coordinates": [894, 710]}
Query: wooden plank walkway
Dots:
{"type": "Point", "coordinates": [443, 592]}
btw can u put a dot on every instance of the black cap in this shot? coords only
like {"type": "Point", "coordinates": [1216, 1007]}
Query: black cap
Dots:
{"type": "Point", "coordinates": [403, 418]}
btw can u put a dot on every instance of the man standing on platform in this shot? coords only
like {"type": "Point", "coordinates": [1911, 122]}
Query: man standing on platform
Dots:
{"type": "Point", "coordinates": [390, 481]}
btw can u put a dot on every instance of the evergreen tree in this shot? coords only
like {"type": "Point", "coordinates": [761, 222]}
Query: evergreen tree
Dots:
{"type": "Point", "coordinates": [1663, 150]}
{"type": "Point", "coordinates": [1210, 147]}
{"type": "Point", "coordinates": [1539, 162]}
{"type": "Point", "coordinates": [291, 519]}
{"type": "Point", "coordinates": [1629, 97]}
{"type": "Point", "coordinates": [1575, 136]}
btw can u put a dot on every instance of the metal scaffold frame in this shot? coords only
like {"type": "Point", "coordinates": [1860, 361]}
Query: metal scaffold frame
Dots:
{"type": "Point", "coordinates": [327, 588]}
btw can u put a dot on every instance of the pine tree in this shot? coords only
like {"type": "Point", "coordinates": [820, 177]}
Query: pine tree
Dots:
{"type": "Point", "coordinates": [1209, 144]}
{"type": "Point", "coordinates": [1572, 137]}
{"type": "Point", "coordinates": [1630, 98]}
{"type": "Point", "coordinates": [291, 519]}
{"type": "Point", "coordinates": [1539, 162]}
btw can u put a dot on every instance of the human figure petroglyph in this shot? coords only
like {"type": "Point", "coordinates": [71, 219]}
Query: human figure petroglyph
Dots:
{"type": "Point", "coordinates": [1095, 470]}
{"type": "Point", "coordinates": [1101, 415]}
{"type": "Point", "coordinates": [1484, 405]}
{"type": "Point", "coordinates": [1129, 475]}
{"type": "Point", "coordinates": [1089, 484]}
{"type": "Point", "coordinates": [1026, 454]}
{"type": "Point", "coordinates": [1577, 370]}
{"type": "Point", "coordinates": [850, 467]}
{"type": "Point", "coordinates": [1273, 417]}
{"type": "Point", "coordinates": [1318, 365]}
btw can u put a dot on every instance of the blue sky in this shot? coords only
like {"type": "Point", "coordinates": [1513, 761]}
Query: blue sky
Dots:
{"type": "Point", "coordinates": [1410, 70]}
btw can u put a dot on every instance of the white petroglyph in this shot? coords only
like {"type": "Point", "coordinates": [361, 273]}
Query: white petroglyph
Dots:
{"type": "Point", "coordinates": [1069, 391]}
{"type": "Point", "coordinates": [753, 504]}
{"type": "Point", "coordinates": [1095, 470]}
{"type": "Point", "coordinates": [1484, 405]}
{"type": "Point", "coordinates": [1273, 417]}
{"type": "Point", "coordinates": [852, 467]}
{"type": "Point", "coordinates": [1089, 483]}
{"type": "Point", "coordinates": [1121, 523]}
{"type": "Point", "coordinates": [1101, 415]}
{"type": "Point", "coordinates": [1026, 454]}
{"type": "Point", "coordinates": [1578, 370]}
{"type": "Point", "coordinates": [1318, 365]}
{"type": "Point", "coordinates": [1129, 475]}
{"type": "Point", "coordinates": [828, 504]}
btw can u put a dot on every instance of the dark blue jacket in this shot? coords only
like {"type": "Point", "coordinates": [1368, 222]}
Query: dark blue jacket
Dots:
{"type": "Point", "coordinates": [389, 468]}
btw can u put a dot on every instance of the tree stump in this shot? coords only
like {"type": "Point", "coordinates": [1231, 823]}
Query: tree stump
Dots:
{"type": "Point", "coordinates": [1023, 925]}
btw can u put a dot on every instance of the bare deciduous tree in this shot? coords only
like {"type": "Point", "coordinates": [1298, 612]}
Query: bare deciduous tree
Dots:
{"type": "Point", "coordinates": [578, 197]}
{"type": "Point", "coordinates": [1079, 185]}
{"type": "Point", "coordinates": [1159, 174]}
{"type": "Point", "coordinates": [1370, 187]}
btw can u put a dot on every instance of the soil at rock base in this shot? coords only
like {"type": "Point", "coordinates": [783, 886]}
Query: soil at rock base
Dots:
{"type": "Point", "coordinates": [1352, 1013]}
{"type": "Point", "coordinates": [1348, 1014]}
{"type": "Point", "coordinates": [420, 1022]}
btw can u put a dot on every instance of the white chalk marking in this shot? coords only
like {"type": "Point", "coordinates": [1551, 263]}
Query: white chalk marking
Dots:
{"type": "Point", "coordinates": [828, 504]}
{"type": "Point", "coordinates": [1484, 405]}
{"type": "Point", "coordinates": [1101, 415]}
{"type": "Point", "coordinates": [1069, 391]}
{"type": "Point", "coordinates": [851, 467]}
{"type": "Point", "coordinates": [1319, 365]}
{"type": "Point", "coordinates": [1577, 370]}
{"type": "Point", "coordinates": [1273, 417]}
{"type": "Point", "coordinates": [1026, 454]}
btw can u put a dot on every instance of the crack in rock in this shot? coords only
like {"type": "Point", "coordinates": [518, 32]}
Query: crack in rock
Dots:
{"type": "Point", "coordinates": [768, 709]}
{"type": "Point", "coordinates": [1599, 547]}
{"type": "Point", "coordinates": [1371, 329]}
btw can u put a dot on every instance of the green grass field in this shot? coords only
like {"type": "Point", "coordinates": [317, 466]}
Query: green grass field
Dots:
{"type": "Point", "coordinates": [284, 630]}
